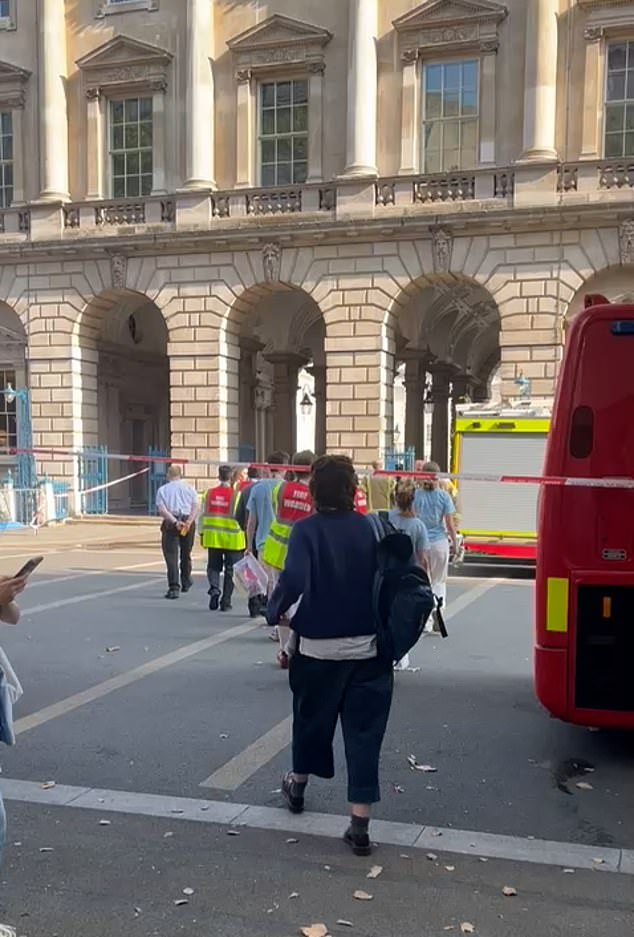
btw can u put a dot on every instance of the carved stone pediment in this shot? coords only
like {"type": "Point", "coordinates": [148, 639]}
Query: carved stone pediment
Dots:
{"type": "Point", "coordinates": [279, 40]}
{"type": "Point", "coordinates": [12, 85]}
{"type": "Point", "coordinates": [124, 64]}
{"type": "Point", "coordinates": [442, 25]}
{"type": "Point", "coordinates": [607, 17]}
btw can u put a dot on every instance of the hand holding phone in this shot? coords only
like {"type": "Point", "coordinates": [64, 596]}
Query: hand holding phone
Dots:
{"type": "Point", "coordinates": [29, 567]}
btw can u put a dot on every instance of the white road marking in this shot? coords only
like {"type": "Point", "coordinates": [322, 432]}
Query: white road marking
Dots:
{"type": "Point", "coordinates": [125, 679]}
{"type": "Point", "coordinates": [53, 580]}
{"type": "Point", "coordinates": [246, 763]}
{"type": "Point", "coordinates": [76, 599]}
{"type": "Point", "coordinates": [239, 769]}
{"type": "Point", "coordinates": [461, 842]}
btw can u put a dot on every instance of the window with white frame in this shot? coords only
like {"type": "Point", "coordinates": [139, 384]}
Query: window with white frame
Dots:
{"type": "Point", "coordinates": [450, 115]}
{"type": "Point", "coordinates": [131, 157]}
{"type": "Point", "coordinates": [8, 420]}
{"type": "Point", "coordinates": [6, 159]}
{"type": "Point", "coordinates": [619, 100]}
{"type": "Point", "coordinates": [283, 132]}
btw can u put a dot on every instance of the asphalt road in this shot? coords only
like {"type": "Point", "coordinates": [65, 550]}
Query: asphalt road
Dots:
{"type": "Point", "coordinates": [132, 696]}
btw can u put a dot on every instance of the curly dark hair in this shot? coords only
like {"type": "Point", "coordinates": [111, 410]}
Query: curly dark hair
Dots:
{"type": "Point", "coordinates": [333, 483]}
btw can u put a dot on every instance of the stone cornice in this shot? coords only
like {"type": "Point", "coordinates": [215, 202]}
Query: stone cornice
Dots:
{"type": "Point", "coordinates": [248, 235]}
{"type": "Point", "coordinates": [450, 25]}
{"type": "Point", "coordinates": [279, 41]}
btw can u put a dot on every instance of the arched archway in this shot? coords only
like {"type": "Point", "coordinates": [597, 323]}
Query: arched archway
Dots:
{"type": "Point", "coordinates": [13, 347]}
{"type": "Point", "coordinates": [278, 336]}
{"type": "Point", "coordinates": [615, 283]}
{"type": "Point", "coordinates": [447, 330]}
{"type": "Point", "coordinates": [121, 337]}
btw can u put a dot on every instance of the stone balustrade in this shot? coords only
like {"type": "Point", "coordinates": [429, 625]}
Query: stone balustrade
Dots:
{"type": "Point", "coordinates": [523, 185]}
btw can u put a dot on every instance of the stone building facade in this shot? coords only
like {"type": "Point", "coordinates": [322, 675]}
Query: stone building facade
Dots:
{"type": "Point", "coordinates": [200, 198]}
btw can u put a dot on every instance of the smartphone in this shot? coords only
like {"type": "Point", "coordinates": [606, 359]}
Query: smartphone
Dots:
{"type": "Point", "coordinates": [28, 568]}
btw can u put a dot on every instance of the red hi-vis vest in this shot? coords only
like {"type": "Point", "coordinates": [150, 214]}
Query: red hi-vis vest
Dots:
{"type": "Point", "coordinates": [220, 530]}
{"type": "Point", "coordinates": [292, 501]}
{"type": "Point", "coordinates": [360, 501]}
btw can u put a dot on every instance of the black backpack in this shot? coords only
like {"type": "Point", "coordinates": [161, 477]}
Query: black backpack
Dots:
{"type": "Point", "coordinates": [403, 598]}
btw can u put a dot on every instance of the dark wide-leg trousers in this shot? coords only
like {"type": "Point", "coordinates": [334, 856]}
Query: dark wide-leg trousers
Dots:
{"type": "Point", "coordinates": [359, 693]}
{"type": "Point", "coordinates": [177, 552]}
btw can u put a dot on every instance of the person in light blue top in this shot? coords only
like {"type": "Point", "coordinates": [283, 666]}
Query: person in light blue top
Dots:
{"type": "Point", "coordinates": [403, 518]}
{"type": "Point", "coordinates": [436, 509]}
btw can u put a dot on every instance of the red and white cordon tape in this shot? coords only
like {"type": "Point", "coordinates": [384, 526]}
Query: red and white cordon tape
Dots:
{"type": "Point", "coordinates": [553, 480]}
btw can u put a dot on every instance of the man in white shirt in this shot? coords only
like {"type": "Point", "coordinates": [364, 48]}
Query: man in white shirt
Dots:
{"type": "Point", "coordinates": [178, 505]}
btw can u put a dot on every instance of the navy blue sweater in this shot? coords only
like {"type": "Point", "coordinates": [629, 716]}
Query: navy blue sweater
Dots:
{"type": "Point", "coordinates": [331, 562]}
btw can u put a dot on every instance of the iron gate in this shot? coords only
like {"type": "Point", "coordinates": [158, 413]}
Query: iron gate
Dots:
{"type": "Point", "coordinates": [93, 472]}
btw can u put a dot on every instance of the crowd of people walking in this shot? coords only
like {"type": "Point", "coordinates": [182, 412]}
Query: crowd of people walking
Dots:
{"type": "Point", "coordinates": [306, 528]}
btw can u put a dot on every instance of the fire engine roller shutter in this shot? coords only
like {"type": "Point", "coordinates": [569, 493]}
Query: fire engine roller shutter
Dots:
{"type": "Point", "coordinates": [493, 506]}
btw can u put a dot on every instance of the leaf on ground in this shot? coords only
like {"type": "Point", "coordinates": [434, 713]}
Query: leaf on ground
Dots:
{"type": "Point", "coordinates": [46, 849]}
{"type": "Point", "coordinates": [599, 861]}
{"type": "Point", "coordinates": [167, 835]}
{"type": "Point", "coordinates": [342, 923]}
{"type": "Point", "coordinates": [48, 785]}
{"type": "Point", "coordinates": [432, 856]}
{"type": "Point", "coordinates": [584, 786]}
{"type": "Point", "coordinates": [361, 895]}
{"type": "Point", "coordinates": [509, 892]}
{"type": "Point", "coordinates": [450, 868]}
{"type": "Point", "coordinates": [449, 927]}
{"type": "Point", "coordinates": [436, 833]}
{"type": "Point", "coordinates": [467, 928]}
{"type": "Point", "coordinates": [398, 789]}
{"type": "Point", "coordinates": [568, 871]}
{"type": "Point", "coordinates": [181, 901]}
{"type": "Point", "coordinates": [177, 810]}
{"type": "Point", "coordinates": [314, 930]}
{"type": "Point", "coordinates": [427, 769]}
{"type": "Point", "coordinates": [291, 841]}
{"type": "Point", "coordinates": [206, 807]}
{"type": "Point", "coordinates": [375, 871]}
{"type": "Point", "coordinates": [327, 868]}
{"type": "Point", "coordinates": [224, 735]}
{"type": "Point", "coordinates": [105, 823]}
{"type": "Point", "coordinates": [233, 832]}
{"type": "Point", "coordinates": [293, 894]}
{"type": "Point", "coordinates": [138, 910]}
{"type": "Point", "coordinates": [111, 650]}
{"type": "Point", "coordinates": [278, 790]}
{"type": "Point", "coordinates": [482, 859]}
{"type": "Point", "coordinates": [188, 891]}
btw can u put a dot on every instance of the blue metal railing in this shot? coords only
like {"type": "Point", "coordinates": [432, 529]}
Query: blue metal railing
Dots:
{"type": "Point", "coordinates": [156, 477]}
{"type": "Point", "coordinates": [93, 472]}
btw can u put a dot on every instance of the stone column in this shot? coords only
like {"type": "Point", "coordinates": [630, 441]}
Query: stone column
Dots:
{"type": "Point", "coordinates": [415, 380]}
{"type": "Point", "coordinates": [285, 371]}
{"type": "Point", "coordinates": [52, 102]}
{"type": "Point", "coordinates": [440, 419]}
{"type": "Point", "coordinates": [362, 88]}
{"type": "Point", "coordinates": [199, 133]}
{"type": "Point", "coordinates": [17, 117]}
{"type": "Point", "coordinates": [319, 376]}
{"type": "Point", "coordinates": [244, 130]}
{"type": "Point", "coordinates": [592, 94]}
{"type": "Point", "coordinates": [315, 122]}
{"type": "Point", "coordinates": [540, 94]}
{"type": "Point", "coordinates": [94, 146]}
{"type": "Point", "coordinates": [159, 186]}
{"type": "Point", "coordinates": [409, 113]}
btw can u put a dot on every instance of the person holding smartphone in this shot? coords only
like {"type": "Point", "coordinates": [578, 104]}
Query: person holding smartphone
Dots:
{"type": "Point", "coordinates": [10, 588]}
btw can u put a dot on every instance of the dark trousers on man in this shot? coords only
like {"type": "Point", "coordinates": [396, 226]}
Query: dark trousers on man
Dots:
{"type": "Point", "coordinates": [177, 551]}
{"type": "Point", "coordinates": [217, 562]}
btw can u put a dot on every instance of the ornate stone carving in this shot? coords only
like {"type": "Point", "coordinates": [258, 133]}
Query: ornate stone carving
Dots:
{"type": "Point", "coordinates": [118, 271]}
{"type": "Point", "coordinates": [280, 40]}
{"type": "Point", "coordinates": [593, 33]}
{"type": "Point", "coordinates": [409, 56]}
{"type": "Point", "coordinates": [12, 86]}
{"type": "Point", "coordinates": [489, 46]}
{"type": "Point", "coordinates": [263, 391]}
{"type": "Point", "coordinates": [452, 24]}
{"type": "Point", "coordinates": [244, 75]}
{"type": "Point", "coordinates": [626, 241]}
{"type": "Point", "coordinates": [93, 94]}
{"type": "Point", "coordinates": [442, 249]}
{"type": "Point", "coordinates": [316, 68]}
{"type": "Point", "coordinates": [123, 62]}
{"type": "Point", "coordinates": [272, 261]}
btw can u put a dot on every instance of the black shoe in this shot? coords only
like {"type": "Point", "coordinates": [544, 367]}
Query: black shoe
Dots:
{"type": "Point", "coordinates": [187, 586]}
{"type": "Point", "coordinates": [293, 794]}
{"type": "Point", "coordinates": [226, 607]}
{"type": "Point", "coordinates": [214, 602]}
{"type": "Point", "coordinates": [358, 842]}
{"type": "Point", "coordinates": [171, 594]}
{"type": "Point", "coordinates": [254, 607]}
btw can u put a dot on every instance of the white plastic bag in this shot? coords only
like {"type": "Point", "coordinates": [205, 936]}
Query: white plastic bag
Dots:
{"type": "Point", "coordinates": [251, 576]}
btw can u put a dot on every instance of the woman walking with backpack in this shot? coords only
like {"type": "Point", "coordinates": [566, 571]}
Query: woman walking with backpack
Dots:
{"type": "Point", "coordinates": [335, 670]}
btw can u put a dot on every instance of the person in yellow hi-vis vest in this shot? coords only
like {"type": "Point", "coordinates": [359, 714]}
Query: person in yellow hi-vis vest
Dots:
{"type": "Point", "coordinates": [222, 537]}
{"type": "Point", "coordinates": [379, 490]}
{"type": "Point", "coordinates": [292, 501]}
